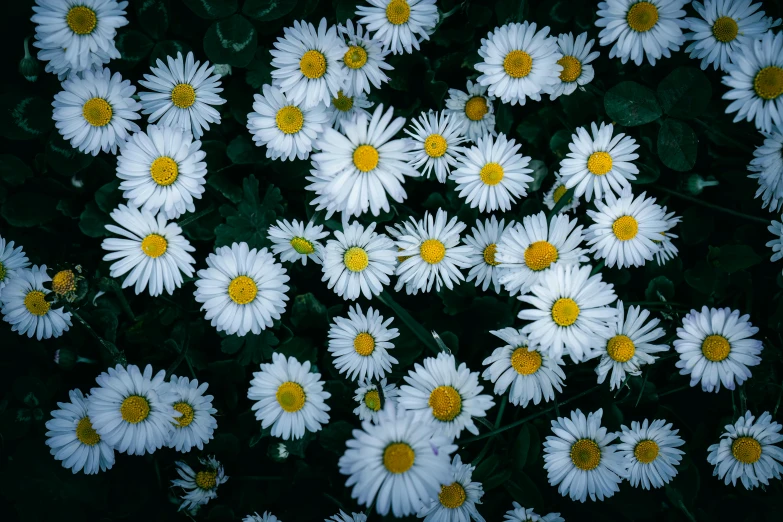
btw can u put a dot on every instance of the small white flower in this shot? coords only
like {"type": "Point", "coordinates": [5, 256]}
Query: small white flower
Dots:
{"type": "Point", "coordinates": [483, 245]}
{"type": "Point", "coordinates": [200, 486]}
{"type": "Point", "coordinates": [371, 397]}
{"type": "Point", "coordinates": [26, 309]}
{"type": "Point", "coordinates": [666, 248]}
{"type": "Point", "coordinates": [557, 191]}
{"type": "Point", "coordinates": [575, 61]}
{"type": "Point", "coordinates": [457, 499]}
{"type": "Point", "coordinates": [776, 228]}
{"type": "Point", "coordinates": [196, 423]}
{"type": "Point", "coordinates": [473, 110]}
{"type": "Point", "coordinates": [399, 24]}
{"type": "Point", "coordinates": [650, 451]}
{"type": "Point", "coordinates": [11, 260]}
{"type": "Point", "coordinates": [520, 514]}
{"type": "Point", "coordinates": [360, 344]}
{"type": "Point", "coordinates": [365, 60]}
{"type": "Point", "coordinates": [767, 167]}
{"type": "Point", "coordinates": [342, 516]}
{"type": "Point", "coordinates": [58, 63]}
{"type": "Point", "coordinates": [346, 109]}
{"type": "Point", "coordinates": [294, 241]}
{"type": "Point", "coordinates": [437, 138]}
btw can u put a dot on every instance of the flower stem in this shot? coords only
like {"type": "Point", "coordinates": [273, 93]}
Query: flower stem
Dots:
{"type": "Point", "coordinates": [698, 201]}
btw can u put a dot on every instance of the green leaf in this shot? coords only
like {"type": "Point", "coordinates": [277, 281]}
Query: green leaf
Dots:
{"type": "Point", "coordinates": [558, 143]}
{"type": "Point", "coordinates": [153, 16]}
{"type": "Point", "coordinates": [259, 71]}
{"type": "Point", "coordinates": [250, 348]}
{"type": "Point", "coordinates": [701, 277]}
{"type": "Point", "coordinates": [92, 221]}
{"type": "Point", "coordinates": [648, 173]}
{"type": "Point", "coordinates": [232, 40]}
{"type": "Point", "coordinates": [226, 186]}
{"type": "Point", "coordinates": [212, 9]}
{"type": "Point", "coordinates": [334, 436]}
{"type": "Point", "coordinates": [660, 289]}
{"type": "Point", "coordinates": [13, 170]}
{"type": "Point", "coordinates": [267, 10]}
{"type": "Point", "coordinates": [510, 11]}
{"type": "Point", "coordinates": [415, 326]}
{"type": "Point", "coordinates": [28, 209]}
{"type": "Point", "coordinates": [685, 92]}
{"type": "Point", "coordinates": [504, 119]}
{"type": "Point", "coordinates": [64, 159]}
{"type": "Point", "coordinates": [109, 196]}
{"type": "Point", "coordinates": [249, 220]}
{"type": "Point", "coordinates": [168, 48]}
{"type": "Point", "coordinates": [521, 448]}
{"type": "Point", "coordinates": [344, 9]}
{"type": "Point", "coordinates": [308, 312]}
{"type": "Point", "coordinates": [243, 151]}
{"type": "Point", "coordinates": [677, 144]}
{"type": "Point", "coordinates": [524, 490]}
{"type": "Point", "coordinates": [732, 258]}
{"type": "Point", "coordinates": [133, 46]}
{"type": "Point", "coordinates": [24, 117]}
{"type": "Point", "coordinates": [484, 470]}
{"type": "Point", "coordinates": [631, 104]}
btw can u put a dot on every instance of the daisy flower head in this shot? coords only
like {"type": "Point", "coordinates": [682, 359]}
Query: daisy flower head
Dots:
{"type": "Point", "coordinates": [436, 137]}
{"type": "Point", "coordinates": [342, 516]}
{"type": "Point", "coordinates": [401, 25]}
{"type": "Point", "coordinates": [666, 248]}
{"type": "Point", "coordinates": [94, 111]}
{"type": "Point", "coordinates": [183, 94]}
{"type": "Point", "coordinates": [73, 440]}
{"type": "Point", "coordinates": [398, 462]}
{"type": "Point", "coordinates": [642, 28]}
{"type": "Point", "coordinates": [457, 499]}
{"type": "Point", "coordinates": [365, 60]}
{"type": "Point", "coordinates": [289, 397]}
{"type": "Point", "coordinates": [570, 312]}
{"type": "Point", "coordinates": [473, 110]}
{"type": "Point", "coordinates": [358, 261]}
{"type": "Point", "coordinates": [347, 108]}
{"type": "Point", "coordinates": [767, 167]}
{"type": "Point", "coordinates": [372, 397]}
{"type": "Point", "coordinates": [776, 228]}
{"type": "Point", "coordinates": [25, 308]}
{"type": "Point", "coordinates": [360, 344]}
{"type": "Point", "coordinates": [520, 514]}
{"type": "Point", "coordinates": [557, 191]}
{"type": "Point", "coordinates": [650, 451]}
{"type": "Point", "coordinates": [715, 347]}
{"type": "Point", "coordinates": [11, 260]}
{"type": "Point", "coordinates": [242, 290]}
{"type": "Point", "coordinates": [747, 451]}
{"type": "Point", "coordinates": [200, 486]}
{"type": "Point", "coordinates": [196, 423]}
{"type": "Point", "coordinates": [287, 129]}
{"type": "Point", "coordinates": [132, 410]}
{"type": "Point", "coordinates": [294, 241]}
{"type": "Point", "coordinates": [152, 250]}
{"type": "Point", "coordinates": [483, 243]}
{"type": "Point", "coordinates": [575, 61]}
{"type": "Point", "coordinates": [580, 457]}
{"type": "Point", "coordinates": [58, 64]}
{"type": "Point", "coordinates": [530, 249]}
{"type": "Point", "coordinates": [266, 517]}
{"type": "Point", "coordinates": [599, 164]}
{"type": "Point", "coordinates": [306, 63]}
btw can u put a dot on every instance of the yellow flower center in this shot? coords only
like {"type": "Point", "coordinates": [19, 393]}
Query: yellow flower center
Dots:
{"type": "Point", "coordinates": [435, 146]}
{"type": "Point", "coordinates": [539, 255]}
{"type": "Point", "coordinates": [625, 228]}
{"type": "Point", "coordinates": [313, 64]}
{"type": "Point", "coordinates": [646, 451]}
{"type": "Point", "coordinates": [725, 29]}
{"type": "Point", "coordinates": [154, 245]}
{"type": "Point", "coordinates": [491, 173]}
{"type": "Point", "coordinates": [476, 108]}
{"type": "Point", "coordinates": [559, 192]}
{"type": "Point", "coordinates": [715, 348]}
{"type": "Point", "coordinates": [135, 409]}
{"type": "Point", "coordinates": [585, 454]}
{"type": "Point", "coordinates": [572, 68]}
{"type": "Point", "coordinates": [342, 103]}
{"type": "Point", "coordinates": [372, 400]}
{"type": "Point", "coordinates": [432, 251]}
{"type": "Point", "coordinates": [489, 254]}
{"type": "Point", "coordinates": [768, 83]}
{"type": "Point", "coordinates": [452, 496]}
{"type": "Point", "coordinates": [184, 420]}
{"type": "Point", "coordinates": [97, 112]}
{"type": "Point", "coordinates": [364, 344]}
{"type": "Point", "coordinates": [746, 450]}
{"type": "Point", "coordinates": [207, 479]}
{"type": "Point", "coordinates": [82, 20]}
{"type": "Point", "coordinates": [525, 362]}
{"type": "Point", "coordinates": [63, 282]}
{"type": "Point", "coordinates": [35, 302]}
{"type": "Point", "coordinates": [291, 396]}
{"type": "Point", "coordinates": [355, 57]}
{"type": "Point", "coordinates": [565, 311]}
{"type": "Point", "coordinates": [289, 119]}
{"type": "Point", "coordinates": [446, 403]}
{"type": "Point", "coordinates": [398, 457]}
{"type": "Point", "coordinates": [85, 432]}
{"type": "Point", "coordinates": [620, 348]}
{"type": "Point", "coordinates": [599, 163]}
{"type": "Point", "coordinates": [302, 246]}
{"type": "Point", "coordinates": [242, 290]}
{"type": "Point", "coordinates": [642, 17]}
{"type": "Point", "coordinates": [365, 158]}
{"type": "Point", "coordinates": [355, 259]}
{"type": "Point", "coordinates": [164, 171]}
{"type": "Point", "coordinates": [518, 64]}
{"type": "Point", "coordinates": [183, 95]}
{"type": "Point", "coordinates": [398, 12]}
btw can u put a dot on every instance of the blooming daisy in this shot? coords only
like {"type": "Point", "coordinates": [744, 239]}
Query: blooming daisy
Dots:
{"type": "Point", "coordinates": [557, 191]}
{"type": "Point", "coordinates": [399, 24]}
{"type": "Point", "coordinates": [530, 249]}
{"type": "Point", "coordinates": [484, 246]}
{"type": "Point", "coordinates": [767, 167]}
{"type": "Point", "coordinates": [242, 290]}
{"type": "Point", "coordinates": [473, 110]}
{"type": "Point", "coordinates": [183, 94]}
{"type": "Point", "coordinates": [580, 457]}
{"type": "Point", "coordinates": [266, 517]}
{"type": "Point", "coordinates": [575, 61]}
{"type": "Point", "coordinates": [306, 63]}
{"type": "Point", "coordinates": [26, 309]}
{"type": "Point", "coordinates": [342, 516]}
{"type": "Point", "coordinates": [200, 486]}
{"type": "Point", "coordinates": [666, 248]}
{"type": "Point", "coordinates": [153, 251]}
{"type": "Point", "coordinates": [347, 108]}
{"type": "Point", "coordinates": [457, 499]}
{"type": "Point", "coordinates": [11, 260]}
{"type": "Point", "coordinates": [287, 129]}
{"type": "Point", "coordinates": [436, 137]}
{"type": "Point", "coordinates": [747, 452]}
{"type": "Point", "coordinates": [360, 344]}
{"type": "Point", "coordinates": [363, 60]}
{"type": "Point", "coordinates": [519, 62]}
{"type": "Point", "coordinates": [445, 394]}
{"type": "Point", "coordinates": [371, 397]}
{"type": "Point", "coordinates": [715, 347]}
{"type": "Point", "coordinates": [132, 411]}
{"type": "Point", "coordinates": [289, 397]}
{"type": "Point", "coordinates": [651, 28]}
{"type": "Point", "coordinates": [396, 454]}
{"type": "Point", "coordinates": [776, 228]}
{"type": "Point", "coordinates": [600, 164]}
{"type": "Point", "coordinates": [530, 374]}
{"type": "Point", "coordinates": [520, 514]}
{"type": "Point", "coordinates": [196, 423]}
{"type": "Point", "coordinates": [294, 241]}
{"type": "Point", "coordinates": [650, 451]}
{"type": "Point", "coordinates": [73, 440]}
{"type": "Point", "coordinates": [569, 312]}
{"type": "Point", "coordinates": [94, 111]}
{"type": "Point", "coordinates": [58, 64]}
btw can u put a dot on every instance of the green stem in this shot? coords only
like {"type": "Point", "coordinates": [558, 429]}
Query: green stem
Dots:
{"type": "Point", "coordinates": [718, 208]}
{"type": "Point", "coordinates": [198, 215]}
{"type": "Point", "coordinates": [501, 409]}
{"type": "Point", "coordinates": [597, 268]}
{"type": "Point", "coordinates": [415, 327]}
{"type": "Point", "coordinates": [675, 390]}
{"type": "Point", "coordinates": [711, 129]}
{"type": "Point", "coordinates": [113, 351]}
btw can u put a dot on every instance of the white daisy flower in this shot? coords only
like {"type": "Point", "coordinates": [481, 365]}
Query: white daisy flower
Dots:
{"type": "Point", "coordinates": [747, 451]}
{"type": "Point", "coordinates": [94, 111]}
{"type": "Point", "coordinates": [266, 517]}
{"type": "Point", "coordinates": [397, 463]}
{"type": "Point", "coordinates": [58, 64]}
{"type": "Point", "coordinates": [73, 440]}
{"type": "Point", "coordinates": [342, 516]}
{"type": "Point", "coordinates": [530, 249]}
{"type": "Point", "coordinates": [557, 191]}
{"type": "Point", "coordinates": [715, 347]}
{"type": "Point", "coordinates": [399, 24]}
{"type": "Point", "coordinates": [153, 251]}
{"type": "Point", "coordinates": [651, 28]}
{"type": "Point", "coordinates": [650, 451]}
{"type": "Point", "coordinates": [306, 63]}
{"type": "Point", "coordinates": [287, 129]}
{"type": "Point", "coordinates": [360, 344]}
{"type": "Point", "coordinates": [347, 108]}
{"type": "Point", "coordinates": [132, 411]}
{"type": "Point", "coordinates": [289, 398]}
{"type": "Point", "coordinates": [473, 110]}
{"type": "Point", "coordinates": [570, 312]}
{"type": "Point", "coordinates": [184, 94]}
{"type": "Point", "coordinates": [294, 241]}
{"type": "Point", "coordinates": [196, 423]}
{"type": "Point", "coordinates": [242, 290]}
{"type": "Point", "coordinates": [457, 499]}
{"type": "Point", "coordinates": [371, 397]}
{"type": "Point", "coordinates": [200, 486]}
{"type": "Point", "coordinates": [11, 260]}
{"type": "Point", "coordinates": [519, 62]}
{"type": "Point", "coordinates": [444, 394]}
{"type": "Point", "coordinates": [755, 80]}
{"type": "Point", "coordinates": [26, 309]}
{"type": "Point", "coordinates": [483, 245]}
{"type": "Point", "coordinates": [520, 514]}
{"type": "Point", "coordinates": [776, 228]}
{"type": "Point", "coordinates": [575, 61]}
{"type": "Point", "coordinates": [436, 139]}
{"type": "Point", "coordinates": [666, 248]}
{"type": "Point", "coordinates": [580, 457]}
{"type": "Point", "coordinates": [767, 167]}
{"type": "Point", "coordinates": [365, 60]}
{"type": "Point", "coordinates": [600, 164]}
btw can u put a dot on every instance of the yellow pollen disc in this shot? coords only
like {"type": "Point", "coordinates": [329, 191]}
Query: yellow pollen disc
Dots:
{"type": "Point", "coordinates": [364, 344]}
{"type": "Point", "coordinates": [559, 192]}
{"type": "Point", "coordinates": [63, 282]}
{"type": "Point", "coordinates": [518, 64]}
{"type": "Point", "coordinates": [446, 403]}
{"type": "Point", "coordinates": [164, 171]}
{"type": "Point", "coordinates": [432, 251]}
{"type": "Point", "coordinates": [491, 174]}
{"type": "Point", "coordinates": [2, 272]}
{"type": "Point", "coordinates": [585, 454]}
{"type": "Point", "coordinates": [620, 348]}
{"type": "Point", "coordinates": [135, 409]}
{"type": "Point", "coordinates": [355, 57]}
{"type": "Point", "coordinates": [302, 246]}
{"type": "Point", "coordinates": [365, 158]}
{"type": "Point", "coordinates": [565, 311]}
{"type": "Point", "coordinates": [476, 108]}
{"type": "Point", "coordinates": [35, 302]}
{"type": "Point", "coordinates": [398, 12]}
{"type": "Point", "coordinates": [154, 245]}
{"type": "Point", "coordinates": [289, 119]}
{"type": "Point", "coordinates": [398, 457]}
{"type": "Point", "coordinates": [452, 496]}
{"type": "Point", "coordinates": [715, 348]}
{"type": "Point", "coordinates": [85, 432]}
{"type": "Point", "coordinates": [372, 400]}
{"type": "Point", "coordinates": [572, 68]}
{"type": "Point", "coordinates": [435, 146]}
{"type": "Point", "coordinates": [746, 450]}
{"type": "Point", "coordinates": [291, 396]}
{"type": "Point", "coordinates": [355, 259]}
{"type": "Point", "coordinates": [646, 451]}
{"type": "Point", "coordinates": [242, 290]}
{"type": "Point", "coordinates": [97, 112]}
{"type": "Point", "coordinates": [524, 361]}
{"type": "Point", "coordinates": [206, 479]}
{"type": "Point", "coordinates": [342, 103]}
{"type": "Point", "coordinates": [642, 16]}
{"type": "Point", "coordinates": [599, 163]}
{"type": "Point", "coordinates": [625, 228]}
{"type": "Point", "coordinates": [768, 83]}
{"type": "Point", "coordinates": [539, 255]}
{"type": "Point", "coordinates": [183, 95]}
{"type": "Point", "coordinates": [313, 64]}
{"type": "Point", "coordinates": [725, 29]}
{"type": "Point", "coordinates": [82, 20]}
{"type": "Point", "coordinates": [184, 420]}
{"type": "Point", "coordinates": [489, 254]}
